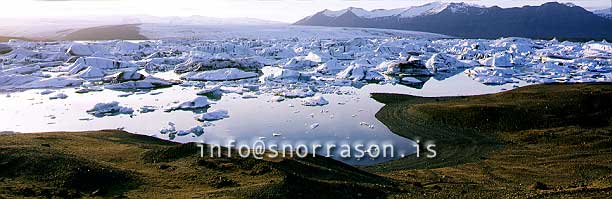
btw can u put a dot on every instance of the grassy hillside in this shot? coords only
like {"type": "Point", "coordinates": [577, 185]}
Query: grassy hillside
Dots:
{"type": "Point", "coordinates": [539, 141]}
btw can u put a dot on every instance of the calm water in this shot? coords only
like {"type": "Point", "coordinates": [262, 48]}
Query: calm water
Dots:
{"type": "Point", "coordinates": [250, 119]}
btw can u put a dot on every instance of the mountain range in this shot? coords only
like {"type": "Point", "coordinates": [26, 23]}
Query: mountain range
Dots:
{"type": "Point", "coordinates": [549, 20]}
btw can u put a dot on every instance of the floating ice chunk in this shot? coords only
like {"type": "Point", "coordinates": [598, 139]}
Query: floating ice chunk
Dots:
{"type": "Point", "coordinates": [235, 89]}
{"type": "Point", "coordinates": [28, 69]}
{"type": "Point", "coordinates": [317, 57]}
{"type": "Point", "coordinates": [217, 62]}
{"type": "Point", "coordinates": [225, 74]}
{"type": "Point", "coordinates": [97, 62]}
{"type": "Point", "coordinates": [314, 125]}
{"type": "Point", "coordinates": [127, 47]}
{"type": "Point", "coordinates": [314, 101]}
{"type": "Point", "coordinates": [330, 67]}
{"type": "Point", "coordinates": [353, 72]}
{"type": "Point", "coordinates": [78, 49]}
{"type": "Point", "coordinates": [215, 90]}
{"type": "Point", "coordinates": [170, 129]}
{"type": "Point", "coordinates": [490, 71]}
{"type": "Point", "coordinates": [196, 130]}
{"type": "Point", "coordinates": [55, 82]}
{"type": "Point", "coordinates": [147, 109]}
{"type": "Point", "coordinates": [493, 80]}
{"type": "Point", "coordinates": [277, 98]}
{"type": "Point", "coordinates": [197, 103]}
{"type": "Point", "coordinates": [498, 60]}
{"type": "Point", "coordinates": [131, 74]}
{"type": "Point", "coordinates": [597, 50]}
{"type": "Point", "coordinates": [374, 76]}
{"type": "Point", "coordinates": [249, 96]}
{"type": "Point", "coordinates": [299, 93]}
{"type": "Point", "coordinates": [148, 82]}
{"type": "Point", "coordinates": [91, 72]}
{"type": "Point", "coordinates": [275, 73]}
{"type": "Point", "coordinates": [299, 63]}
{"type": "Point", "coordinates": [46, 92]}
{"type": "Point", "coordinates": [112, 108]}
{"type": "Point", "coordinates": [549, 67]}
{"type": "Point", "coordinates": [58, 96]}
{"type": "Point", "coordinates": [444, 62]}
{"type": "Point", "coordinates": [411, 80]}
{"type": "Point", "coordinates": [214, 115]}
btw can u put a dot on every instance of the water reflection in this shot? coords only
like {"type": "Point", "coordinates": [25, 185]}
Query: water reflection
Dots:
{"type": "Point", "coordinates": [342, 120]}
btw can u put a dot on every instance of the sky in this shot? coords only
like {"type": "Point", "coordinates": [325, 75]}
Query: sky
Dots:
{"type": "Point", "coordinates": [273, 10]}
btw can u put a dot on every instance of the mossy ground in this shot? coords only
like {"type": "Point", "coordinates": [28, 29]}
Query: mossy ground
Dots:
{"type": "Point", "coordinates": [545, 141]}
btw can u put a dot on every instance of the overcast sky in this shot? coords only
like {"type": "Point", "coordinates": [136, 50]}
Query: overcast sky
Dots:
{"type": "Point", "coordinates": [276, 10]}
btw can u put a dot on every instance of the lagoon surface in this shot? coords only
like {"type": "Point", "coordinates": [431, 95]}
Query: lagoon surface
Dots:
{"type": "Point", "coordinates": [348, 118]}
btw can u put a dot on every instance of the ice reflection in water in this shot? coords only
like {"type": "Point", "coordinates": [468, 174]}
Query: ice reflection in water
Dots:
{"type": "Point", "coordinates": [342, 120]}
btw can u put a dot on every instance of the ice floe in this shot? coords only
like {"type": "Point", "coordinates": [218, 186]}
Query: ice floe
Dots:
{"type": "Point", "coordinates": [107, 109]}
{"type": "Point", "coordinates": [314, 101]}
{"type": "Point", "coordinates": [197, 103]}
{"type": "Point", "coordinates": [218, 75]}
{"type": "Point", "coordinates": [213, 115]}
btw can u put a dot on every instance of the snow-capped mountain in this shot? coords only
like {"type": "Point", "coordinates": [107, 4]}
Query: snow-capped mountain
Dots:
{"type": "Point", "coordinates": [423, 10]}
{"type": "Point", "coordinates": [606, 13]}
{"type": "Point", "coordinates": [466, 20]}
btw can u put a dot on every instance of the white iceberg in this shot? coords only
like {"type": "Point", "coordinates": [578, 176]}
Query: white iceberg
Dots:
{"type": "Point", "coordinates": [197, 103]}
{"type": "Point", "coordinates": [443, 62]}
{"type": "Point", "coordinates": [314, 101]}
{"type": "Point", "coordinates": [58, 96]}
{"type": "Point", "coordinates": [78, 49]}
{"type": "Point", "coordinates": [91, 72]}
{"type": "Point", "coordinates": [196, 130]}
{"type": "Point", "coordinates": [214, 115]}
{"type": "Point", "coordinates": [297, 63]}
{"type": "Point", "coordinates": [353, 72]}
{"type": "Point", "coordinates": [498, 60]}
{"type": "Point", "coordinates": [411, 80]}
{"type": "Point", "coordinates": [148, 82]}
{"type": "Point", "coordinates": [54, 82]}
{"type": "Point", "coordinates": [97, 62]}
{"type": "Point", "coordinates": [226, 74]}
{"type": "Point", "coordinates": [112, 108]}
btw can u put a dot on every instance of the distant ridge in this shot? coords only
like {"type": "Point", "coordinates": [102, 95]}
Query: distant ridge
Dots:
{"type": "Point", "coordinates": [548, 20]}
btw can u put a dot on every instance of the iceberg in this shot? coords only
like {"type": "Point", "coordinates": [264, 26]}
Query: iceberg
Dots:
{"type": "Point", "coordinates": [197, 103]}
{"type": "Point", "coordinates": [353, 72]}
{"type": "Point", "coordinates": [226, 74]}
{"type": "Point", "coordinates": [108, 109]}
{"type": "Point", "coordinates": [214, 115]}
{"type": "Point", "coordinates": [54, 82]}
{"type": "Point", "coordinates": [297, 63]}
{"type": "Point", "coordinates": [149, 82]}
{"type": "Point", "coordinates": [58, 96]}
{"type": "Point", "coordinates": [498, 60]}
{"type": "Point", "coordinates": [196, 130]}
{"type": "Point", "coordinates": [97, 62]}
{"type": "Point", "coordinates": [443, 62]}
{"type": "Point", "coordinates": [91, 72]}
{"type": "Point", "coordinates": [314, 101]}
{"type": "Point", "coordinates": [78, 49]}
{"type": "Point", "coordinates": [219, 62]}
